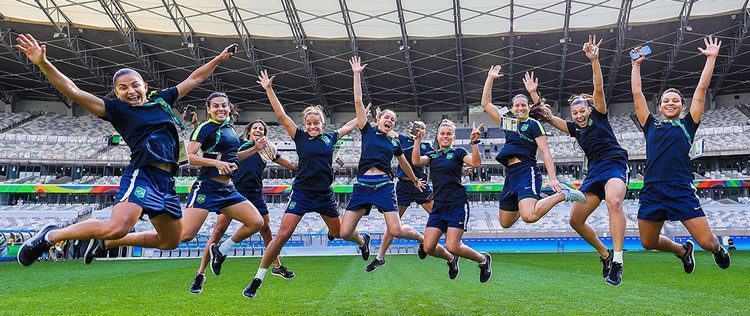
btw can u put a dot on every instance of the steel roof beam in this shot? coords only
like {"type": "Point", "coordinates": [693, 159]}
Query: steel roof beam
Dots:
{"type": "Point", "coordinates": [407, 56]}
{"type": "Point", "coordinates": [687, 8]}
{"type": "Point", "coordinates": [460, 57]}
{"type": "Point", "coordinates": [564, 53]}
{"type": "Point", "coordinates": [743, 28]}
{"type": "Point", "coordinates": [511, 47]}
{"type": "Point", "coordinates": [243, 31]}
{"type": "Point", "coordinates": [623, 23]}
{"type": "Point", "coordinates": [353, 44]}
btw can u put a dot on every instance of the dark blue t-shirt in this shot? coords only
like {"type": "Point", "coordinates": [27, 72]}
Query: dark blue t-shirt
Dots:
{"type": "Point", "coordinates": [315, 158]}
{"type": "Point", "coordinates": [148, 130]}
{"type": "Point", "coordinates": [378, 150]}
{"type": "Point", "coordinates": [249, 177]}
{"type": "Point", "coordinates": [597, 139]}
{"type": "Point", "coordinates": [216, 137]}
{"type": "Point", "coordinates": [668, 145]}
{"type": "Point", "coordinates": [407, 145]}
{"type": "Point", "coordinates": [446, 168]}
{"type": "Point", "coordinates": [521, 143]}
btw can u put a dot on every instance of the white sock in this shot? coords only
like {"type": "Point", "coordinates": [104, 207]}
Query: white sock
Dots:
{"type": "Point", "coordinates": [379, 257]}
{"type": "Point", "coordinates": [484, 262]}
{"type": "Point", "coordinates": [226, 246]}
{"type": "Point", "coordinates": [46, 237]}
{"type": "Point", "coordinates": [618, 257]}
{"type": "Point", "coordinates": [261, 274]}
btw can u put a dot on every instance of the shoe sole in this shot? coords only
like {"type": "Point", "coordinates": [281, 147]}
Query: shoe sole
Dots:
{"type": "Point", "coordinates": [211, 260]}
{"type": "Point", "coordinates": [489, 262]}
{"type": "Point", "coordinates": [612, 284]}
{"type": "Point", "coordinates": [196, 293]}
{"type": "Point", "coordinates": [87, 253]}
{"type": "Point", "coordinates": [281, 276]}
{"type": "Point", "coordinates": [373, 270]}
{"type": "Point", "coordinates": [26, 243]}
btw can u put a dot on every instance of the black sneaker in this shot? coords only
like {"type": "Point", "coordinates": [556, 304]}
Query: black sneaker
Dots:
{"type": "Point", "coordinates": [606, 263]}
{"type": "Point", "coordinates": [615, 274]}
{"type": "Point", "coordinates": [722, 258]}
{"type": "Point", "coordinates": [374, 265]}
{"type": "Point", "coordinates": [250, 290]}
{"type": "Point", "coordinates": [94, 249]}
{"type": "Point", "coordinates": [420, 252]}
{"type": "Point", "coordinates": [688, 259]}
{"type": "Point", "coordinates": [217, 259]}
{"type": "Point", "coordinates": [453, 268]}
{"type": "Point", "coordinates": [283, 272]}
{"type": "Point", "coordinates": [485, 270]}
{"type": "Point", "coordinates": [365, 248]}
{"type": "Point", "coordinates": [34, 247]}
{"type": "Point", "coordinates": [197, 286]}
{"type": "Point", "coordinates": [331, 237]}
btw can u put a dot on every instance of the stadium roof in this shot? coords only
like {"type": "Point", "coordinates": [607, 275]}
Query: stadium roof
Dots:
{"type": "Point", "coordinates": [424, 54]}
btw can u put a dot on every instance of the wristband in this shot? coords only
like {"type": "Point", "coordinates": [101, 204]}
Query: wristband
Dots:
{"type": "Point", "coordinates": [476, 142]}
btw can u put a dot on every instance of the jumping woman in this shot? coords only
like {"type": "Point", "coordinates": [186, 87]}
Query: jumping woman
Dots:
{"type": "Point", "coordinates": [311, 190]}
{"type": "Point", "coordinates": [450, 215]}
{"type": "Point", "coordinates": [668, 192]}
{"type": "Point", "coordinates": [147, 187]}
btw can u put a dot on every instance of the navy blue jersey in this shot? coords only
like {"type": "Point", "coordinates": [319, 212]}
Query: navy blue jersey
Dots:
{"type": "Point", "coordinates": [521, 143]}
{"type": "Point", "coordinates": [597, 139]}
{"type": "Point", "coordinates": [378, 150]}
{"type": "Point", "coordinates": [668, 145]}
{"type": "Point", "coordinates": [249, 176]}
{"type": "Point", "coordinates": [315, 159]}
{"type": "Point", "coordinates": [407, 145]}
{"type": "Point", "coordinates": [148, 130]}
{"type": "Point", "coordinates": [216, 137]}
{"type": "Point", "coordinates": [446, 168]}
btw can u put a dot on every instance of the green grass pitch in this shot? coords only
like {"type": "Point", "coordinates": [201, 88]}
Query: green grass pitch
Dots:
{"type": "Point", "coordinates": [551, 283]}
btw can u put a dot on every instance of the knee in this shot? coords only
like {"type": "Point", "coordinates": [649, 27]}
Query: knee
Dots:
{"type": "Point", "coordinates": [394, 231]}
{"type": "Point", "coordinates": [265, 228]}
{"type": "Point", "coordinates": [576, 222]}
{"type": "Point", "coordinates": [188, 236]}
{"type": "Point", "coordinates": [649, 244]}
{"type": "Point", "coordinates": [529, 218]}
{"type": "Point", "coordinates": [614, 204]}
{"type": "Point", "coordinates": [170, 244]}
{"type": "Point", "coordinates": [453, 247]}
{"type": "Point", "coordinates": [506, 224]}
{"type": "Point", "coordinates": [429, 247]}
{"type": "Point", "coordinates": [116, 231]}
{"type": "Point", "coordinates": [254, 224]}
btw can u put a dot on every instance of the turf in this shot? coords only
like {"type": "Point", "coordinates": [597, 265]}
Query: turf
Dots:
{"type": "Point", "coordinates": [557, 283]}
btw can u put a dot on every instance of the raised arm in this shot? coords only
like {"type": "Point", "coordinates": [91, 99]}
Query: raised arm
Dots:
{"type": "Point", "coordinates": [487, 106]}
{"type": "Point", "coordinates": [416, 158]}
{"type": "Point", "coordinates": [639, 100]}
{"type": "Point", "coordinates": [203, 72]}
{"type": "Point", "coordinates": [349, 126]}
{"type": "Point", "coordinates": [591, 49]}
{"type": "Point", "coordinates": [359, 106]}
{"type": "Point", "coordinates": [475, 160]}
{"type": "Point", "coordinates": [541, 142]}
{"type": "Point", "coordinates": [698, 103]}
{"type": "Point", "coordinates": [37, 54]}
{"type": "Point", "coordinates": [284, 119]}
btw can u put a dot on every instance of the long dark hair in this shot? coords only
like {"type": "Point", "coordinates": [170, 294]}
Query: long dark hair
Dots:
{"type": "Point", "coordinates": [250, 126]}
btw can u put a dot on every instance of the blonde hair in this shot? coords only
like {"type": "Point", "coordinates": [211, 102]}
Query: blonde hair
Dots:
{"type": "Point", "coordinates": [583, 96]}
{"type": "Point", "coordinates": [314, 109]}
{"type": "Point", "coordinates": [447, 122]}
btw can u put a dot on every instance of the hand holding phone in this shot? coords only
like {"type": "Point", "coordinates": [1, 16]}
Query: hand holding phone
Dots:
{"type": "Point", "coordinates": [643, 51]}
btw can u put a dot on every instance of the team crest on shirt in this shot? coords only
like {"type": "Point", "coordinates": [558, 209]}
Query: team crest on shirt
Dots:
{"type": "Point", "coordinates": [394, 142]}
{"type": "Point", "coordinates": [449, 156]}
{"type": "Point", "coordinates": [434, 155]}
{"type": "Point", "coordinates": [423, 146]}
{"type": "Point", "coordinates": [140, 192]}
{"type": "Point", "coordinates": [201, 198]}
{"type": "Point", "coordinates": [524, 127]}
{"type": "Point", "coordinates": [292, 205]}
{"type": "Point", "coordinates": [326, 139]}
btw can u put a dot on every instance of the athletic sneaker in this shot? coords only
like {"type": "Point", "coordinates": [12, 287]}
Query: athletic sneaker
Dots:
{"type": "Point", "coordinates": [250, 290]}
{"type": "Point", "coordinates": [606, 263]}
{"type": "Point", "coordinates": [453, 267]}
{"type": "Point", "coordinates": [331, 237]}
{"type": "Point", "coordinates": [374, 265]}
{"type": "Point", "coordinates": [688, 259]}
{"type": "Point", "coordinates": [94, 249]}
{"type": "Point", "coordinates": [365, 248]}
{"type": "Point", "coordinates": [615, 274]}
{"type": "Point", "coordinates": [217, 259]}
{"type": "Point", "coordinates": [485, 270]}
{"type": "Point", "coordinates": [574, 196]}
{"type": "Point", "coordinates": [722, 258]}
{"type": "Point", "coordinates": [197, 286]}
{"type": "Point", "coordinates": [283, 272]}
{"type": "Point", "coordinates": [34, 247]}
{"type": "Point", "coordinates": [420, 251]}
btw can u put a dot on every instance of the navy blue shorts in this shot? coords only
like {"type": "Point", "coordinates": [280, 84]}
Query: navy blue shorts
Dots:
{"type": "Point", "coordinates": [446, 215]}
{"type": "Point", "coordinates": [521, 181]}
{"type": "Point", "coordinates": [213, 196]}
{"type": "Point", "coordinates": [673, 201]}
{"type": "Point", "coordinates": [601, 172]}
{"type": "Point", "coordinates": [152, 189]}
{"type": "Point", "coordinates": [407, 193]}
{"type": "Point", "coordinates": [364, 197]}
{"type": "Point", "coordinates": [302, 202]}
{"type": "Point", "coordinates": [257, 199]}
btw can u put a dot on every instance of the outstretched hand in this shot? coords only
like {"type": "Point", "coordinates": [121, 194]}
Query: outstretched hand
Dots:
{"type": "Point", "coordinates": [356, 64]}
{"type": "Point", "coordinates": [475, 131]}
{"type": "Point", "coordinates": [496, 71]}
{"type": "Point", "coordinates": [531, 82]}
{"type": "Point", "coordinates": [712, 47]}
{"type": "Point", "coordinates": [264, 80]}
{"type": "Point", "coordinates": [30, 47]}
